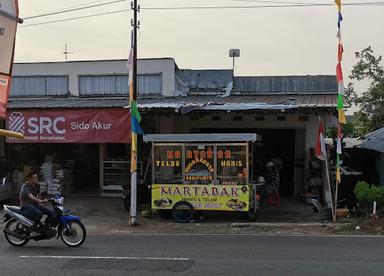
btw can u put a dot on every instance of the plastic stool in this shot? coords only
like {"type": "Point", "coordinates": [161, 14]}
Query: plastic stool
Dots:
{"type": "Point", "coordinates": [273, 199]}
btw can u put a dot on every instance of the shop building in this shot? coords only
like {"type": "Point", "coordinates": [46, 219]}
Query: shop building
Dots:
{"type": "Point", "coordinates": [283, 110]}
{"type": "Point", "coordinates": [77, 132]}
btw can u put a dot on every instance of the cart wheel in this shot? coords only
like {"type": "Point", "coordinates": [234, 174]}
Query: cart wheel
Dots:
{"type": "Point", "coordinates": [252, 214]}
{"type": "Point", "coordinates": [182, 212]}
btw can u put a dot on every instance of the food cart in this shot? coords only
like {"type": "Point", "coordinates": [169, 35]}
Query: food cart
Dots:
{"type": "Point", "coordinates": [202, 172]}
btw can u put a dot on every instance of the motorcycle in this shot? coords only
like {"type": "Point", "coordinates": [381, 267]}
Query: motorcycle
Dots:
{"type": "Point", "coordinates": [63, 224]}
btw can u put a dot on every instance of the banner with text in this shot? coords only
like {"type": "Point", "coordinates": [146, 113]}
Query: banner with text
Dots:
{"type": "Point", "coordinates": [202, 197]}
{"type": "Point", "coordinates": [70, 126]}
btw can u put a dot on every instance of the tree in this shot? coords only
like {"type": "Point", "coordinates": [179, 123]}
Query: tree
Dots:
{"type": "Point", "coordinates": [371, 103]}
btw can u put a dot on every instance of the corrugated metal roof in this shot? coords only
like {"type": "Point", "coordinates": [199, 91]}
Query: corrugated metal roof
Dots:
{"type": "Point", "coordinates": [210, 81]}
{"type": "Point", "coordinates": [374, 141]}
{"type": "Point", "coordinates": [286, 84]}
{"type": "Point", "coordinates": [188, 102]}
{"type": "Point", "coordinates": [205, 80]}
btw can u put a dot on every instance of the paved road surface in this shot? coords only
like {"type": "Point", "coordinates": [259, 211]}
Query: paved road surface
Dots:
{"type": "Point", "coordinates": [198, 255]}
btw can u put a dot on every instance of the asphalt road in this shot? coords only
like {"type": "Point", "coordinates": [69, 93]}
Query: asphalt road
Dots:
{"type": "Point", "coordinates": [198, 255]}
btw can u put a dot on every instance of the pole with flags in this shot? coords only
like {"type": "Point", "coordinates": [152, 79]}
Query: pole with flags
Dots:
{"type": "Point", "coordinates": [135, 114]}
{"type": "Point", "coordinates": [340, 100]}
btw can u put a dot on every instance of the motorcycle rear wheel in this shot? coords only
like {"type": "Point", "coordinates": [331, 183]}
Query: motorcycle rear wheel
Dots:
{"type": "Point", "coordinates": [76, 228]}
{"type": "Point", "coordinates": [11, 226]}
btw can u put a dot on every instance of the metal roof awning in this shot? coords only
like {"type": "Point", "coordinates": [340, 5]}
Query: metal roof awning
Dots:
{"type": "Point", "coordinates": [374, 141]}
{"type": "Point", "coordinates": [186, 104]}
{"type": "Point", "coordinates": [212, 137]}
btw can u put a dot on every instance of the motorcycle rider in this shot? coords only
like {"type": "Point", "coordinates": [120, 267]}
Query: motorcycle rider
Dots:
{"type": "Point", "coordinates": [31, 203]}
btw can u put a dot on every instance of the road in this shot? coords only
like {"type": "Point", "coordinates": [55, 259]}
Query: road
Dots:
{"type": "Point", "coordinates": [198, 255]}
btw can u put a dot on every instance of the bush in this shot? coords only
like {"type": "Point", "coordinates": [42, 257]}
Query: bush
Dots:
{"type": "Point", "coordinates": [366, 195]}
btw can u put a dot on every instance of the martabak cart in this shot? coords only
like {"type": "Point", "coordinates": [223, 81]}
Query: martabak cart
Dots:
{"type": "Point", "coordinates": [202, 172]}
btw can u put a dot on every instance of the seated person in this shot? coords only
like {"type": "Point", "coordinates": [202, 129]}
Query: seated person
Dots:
{"type": "Point", "coordinates": [30, 202]}
{"type": "Point", "coordinates": [272, 182]}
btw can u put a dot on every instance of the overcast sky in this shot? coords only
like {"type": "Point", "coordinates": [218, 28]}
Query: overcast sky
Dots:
{"type": "Point", "coordinates": [274, 41]}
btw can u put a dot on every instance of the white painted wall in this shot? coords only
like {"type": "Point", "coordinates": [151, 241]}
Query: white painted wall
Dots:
{"type": "Point", "coordinates": [73, 69]}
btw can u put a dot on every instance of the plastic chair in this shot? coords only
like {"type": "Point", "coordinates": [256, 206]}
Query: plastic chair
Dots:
{"type": "Point", "coordinates": [273, 199]}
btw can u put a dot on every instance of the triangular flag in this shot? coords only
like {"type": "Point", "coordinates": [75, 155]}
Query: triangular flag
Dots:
{"type": "Point", "coordinates": [135, 112]}
{"type": "Point", "coordinates": [340, 52]}
{"type": "Point", "coordinates": [339, 73]}
{"type": "Point", "coordinates": [338, 149]}
{"type": "Point", "coordinates": [342, 118]}
{"type": "Point", "coordinates": [340, 18]}
{"type": "Point", "coordinates": [136, 128]}
{"type": "Point", "coordinates": [338, 3]}
{"type": "Point", "coordinates": [340, 102]}
{"type": "Point", "coordinates": [340, 89]}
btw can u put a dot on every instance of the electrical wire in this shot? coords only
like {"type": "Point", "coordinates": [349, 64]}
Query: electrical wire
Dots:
{"type": "Point", "coordinates": [366, 4]}
{"type": "Point", "coordinates": [74, 18]}
{"type": "Point", "coordinates": [376, 3]}
{"type": "Point", "coordinates": [74, 9]}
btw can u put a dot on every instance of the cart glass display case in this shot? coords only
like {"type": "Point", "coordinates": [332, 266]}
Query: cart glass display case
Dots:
{"type": "Point", "coordinates": [208, 171]}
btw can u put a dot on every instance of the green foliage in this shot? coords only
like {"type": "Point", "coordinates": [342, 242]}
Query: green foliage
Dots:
{"type": "Point", "coordinates": [366, 195]}
{"type": "Point", "coordinates": [371, 102]}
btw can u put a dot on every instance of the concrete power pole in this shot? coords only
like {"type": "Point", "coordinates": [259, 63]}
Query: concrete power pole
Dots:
{"type": "Point", "coordinates": [135, 24]}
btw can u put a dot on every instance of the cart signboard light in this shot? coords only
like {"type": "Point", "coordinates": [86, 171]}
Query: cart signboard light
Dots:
{"type": "Point", "coordinates": [202, 197]}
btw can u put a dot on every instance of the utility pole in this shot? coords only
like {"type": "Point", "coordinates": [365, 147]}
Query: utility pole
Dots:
{"type": "Point", "coordinates": [135, 24]}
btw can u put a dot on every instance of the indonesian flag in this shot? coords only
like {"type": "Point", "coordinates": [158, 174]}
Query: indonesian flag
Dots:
{"type": "Point", "coordinates": [320, 150]}
{"type": "Point", "coordinates": [9, 13]}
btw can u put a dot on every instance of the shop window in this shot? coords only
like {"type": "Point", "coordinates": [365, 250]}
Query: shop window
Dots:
{"type": "Point", "coordinates": [101, 85]}
{"type": "Point", "coordinates": [168, 164]}
{"type": "Point", "coordinates": [39, 86]}
{"type": "Point", "coordinates": [232, 165]}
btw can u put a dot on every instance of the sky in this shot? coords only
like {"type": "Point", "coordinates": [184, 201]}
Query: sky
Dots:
{"type": "Point", "coordinates": [274, 41]}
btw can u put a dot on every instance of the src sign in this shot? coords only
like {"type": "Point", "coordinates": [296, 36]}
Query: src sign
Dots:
{"type": "Point", "coordinates": [79, 126]}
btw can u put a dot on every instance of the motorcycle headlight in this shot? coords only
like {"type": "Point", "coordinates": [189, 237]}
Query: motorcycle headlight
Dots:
{"type": "Point", "coordinates": [60, 200]}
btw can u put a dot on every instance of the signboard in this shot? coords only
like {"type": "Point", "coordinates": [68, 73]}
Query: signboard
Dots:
{"type": "Point", "coordinates": [167, 164]}
{"type": "Point", "coordinates": [202, 197]}
{"type": "Point", "coordinates": [70, 126]}
{"type": "Point", "coordinates": [8, 24]}
{"type": "Point", "coordinates": [199, 164]}
{"type": "Point", "coordinates": [232, 164]}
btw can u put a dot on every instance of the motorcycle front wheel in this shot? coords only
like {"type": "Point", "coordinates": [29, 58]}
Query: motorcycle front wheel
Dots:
{"type": "Point", "coordinates": [74, 234]}
{"type": "Point", "coordinates": [14, 227]}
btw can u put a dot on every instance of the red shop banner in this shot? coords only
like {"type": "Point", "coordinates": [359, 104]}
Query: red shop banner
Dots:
{"type": "Point", "coordinates": [71, 126]}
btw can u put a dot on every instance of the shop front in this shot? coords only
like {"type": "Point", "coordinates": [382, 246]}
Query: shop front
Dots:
{"type": "Point", "coordinates": [70, 148]}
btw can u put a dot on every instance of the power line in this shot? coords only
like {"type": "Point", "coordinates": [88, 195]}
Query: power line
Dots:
{"type": "Point", "coordinates": [74, 9]}
{"type": "Point", "coordinates": [377, 3]}
{"type": "Point", "coordinates": [74, 18]}
{"type": "Point", "coordinates": [367, 4]}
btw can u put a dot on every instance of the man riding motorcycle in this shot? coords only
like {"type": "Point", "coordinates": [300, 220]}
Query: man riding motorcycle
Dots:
{"type": "Point", "coordinates": [31, 203]}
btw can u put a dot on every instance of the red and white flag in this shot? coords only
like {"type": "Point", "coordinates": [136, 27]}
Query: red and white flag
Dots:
{"type": "Point", "coordinates": [320, 150]}
{"type": "Point", "coordinates": [9, 13]}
